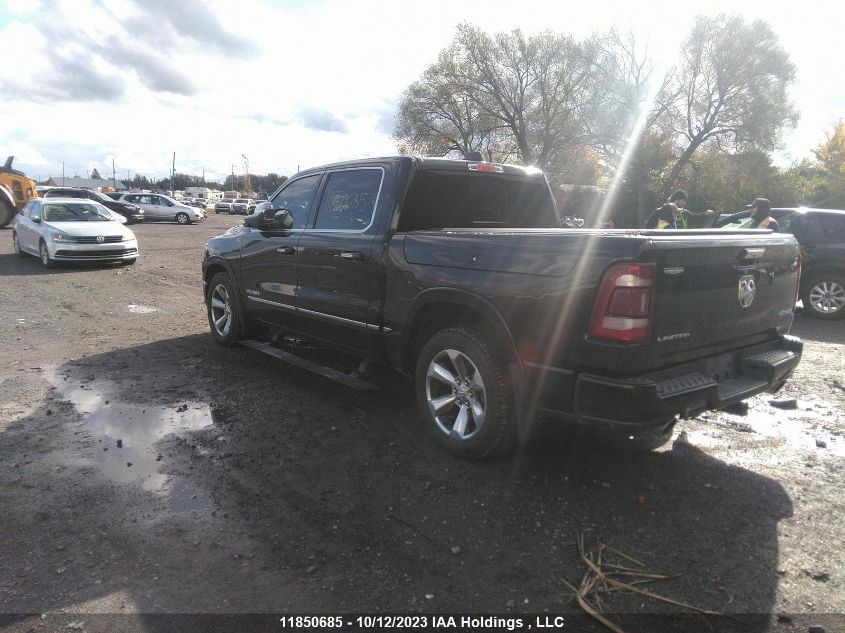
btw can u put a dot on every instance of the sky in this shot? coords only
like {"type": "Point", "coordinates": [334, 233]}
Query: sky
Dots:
{"type": "Point", "coordinates": [290, 84]}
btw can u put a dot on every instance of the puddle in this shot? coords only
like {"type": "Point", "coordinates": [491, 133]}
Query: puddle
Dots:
{"type": "Point", "coordinates": [126, 435]}
{"type": "Point", "coordinates": [139, 309]}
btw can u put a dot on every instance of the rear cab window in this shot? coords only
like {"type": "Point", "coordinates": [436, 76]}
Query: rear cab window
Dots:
{"type": "Point", "coordinates": [439, 199]}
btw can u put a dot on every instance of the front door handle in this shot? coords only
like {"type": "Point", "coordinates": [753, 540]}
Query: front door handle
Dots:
{"type": "Point", "coordinates": [351, 255]}
{"type": "Point", "coordinates": [286, 250]}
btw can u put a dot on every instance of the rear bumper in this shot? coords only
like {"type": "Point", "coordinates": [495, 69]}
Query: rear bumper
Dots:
{"type": "Point", "coordinates": [650, 401]}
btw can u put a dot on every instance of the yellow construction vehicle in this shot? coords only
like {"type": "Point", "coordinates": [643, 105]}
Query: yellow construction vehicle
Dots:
{"type": "Point", "coordinates": [16, 189]}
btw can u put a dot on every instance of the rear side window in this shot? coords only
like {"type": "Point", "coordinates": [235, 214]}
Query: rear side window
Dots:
{"type": "Point", "coordinates": [297, 198]}
{"type": "Point", "coordinates": [833, 227]}
{"type": "Point", "coordinates": [449, 199]}
{"type": "Point", "coordinates": [349, 200]}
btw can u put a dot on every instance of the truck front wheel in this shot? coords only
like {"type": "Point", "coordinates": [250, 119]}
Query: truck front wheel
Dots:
{"type": "Point", "coordinates": [225, 316]}
{"type": "Point", "coordinates": [7, 212]}
{"type": "Point", "coordinates": [464, 394]}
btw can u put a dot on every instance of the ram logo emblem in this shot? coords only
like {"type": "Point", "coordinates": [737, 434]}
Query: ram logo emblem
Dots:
{"type": "Point", "coordinates": [747, 289]}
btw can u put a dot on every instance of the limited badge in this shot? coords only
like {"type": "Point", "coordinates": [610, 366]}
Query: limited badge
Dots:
{"type": "Point", "coordinates": [100, 239]}
{"type": "Point", "coordinates": [747, 289]}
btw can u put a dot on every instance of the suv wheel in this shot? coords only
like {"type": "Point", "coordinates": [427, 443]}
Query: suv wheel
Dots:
{"type": "Point", "coordinates": [464, 395]}
{"type": "Point", "coordinates": [225, 316]}
{"type": "Point", "coordinates": [824, 294]}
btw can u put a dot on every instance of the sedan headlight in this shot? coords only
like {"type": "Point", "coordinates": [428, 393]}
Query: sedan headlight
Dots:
{"type": "Point", "coordinates": [61, 238]}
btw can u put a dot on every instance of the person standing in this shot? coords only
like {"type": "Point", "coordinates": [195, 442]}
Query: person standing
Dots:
{"type": "Point", "coordinates": [665, 217]}
{"type": "Point", "coordinates": [759, 216]}
{"type": "Point", "coordinates": [686, 218]}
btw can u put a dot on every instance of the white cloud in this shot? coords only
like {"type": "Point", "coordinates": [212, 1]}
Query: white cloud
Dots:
{"type": "Point", "coordinates": [299, 84]}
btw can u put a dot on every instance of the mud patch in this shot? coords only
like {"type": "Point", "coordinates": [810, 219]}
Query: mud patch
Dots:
{"type": "Point", "coordinates": [127, 435]}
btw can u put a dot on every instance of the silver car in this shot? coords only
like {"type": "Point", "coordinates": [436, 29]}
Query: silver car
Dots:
{"type": "Point", "coordinates": [72, 230]}
{"type": "Point", "coordinates": [158, 207]}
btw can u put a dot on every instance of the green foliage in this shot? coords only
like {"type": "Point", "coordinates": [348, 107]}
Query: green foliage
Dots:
{"type": "Point", "coordinates": [831, 153]}
{"type": "Point", "coordinates": [95, 173]}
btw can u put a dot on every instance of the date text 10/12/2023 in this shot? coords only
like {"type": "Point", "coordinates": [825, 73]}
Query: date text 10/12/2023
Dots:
{"type": "Point", "coordinates": [422, 622]}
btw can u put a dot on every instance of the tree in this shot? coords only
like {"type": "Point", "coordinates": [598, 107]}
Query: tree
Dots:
{"type": "Point", "coordinates": [510, 96]}
{"type": "Point", "coordinates": [734, 80]}
{"type": "Point", "coordinates": [831, 153]}
{"type": "Point", "coordinates": [95, 173]}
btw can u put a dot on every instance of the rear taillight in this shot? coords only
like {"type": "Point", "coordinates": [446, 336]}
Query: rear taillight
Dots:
{"type": "Point", "coordinates": [623, 307]}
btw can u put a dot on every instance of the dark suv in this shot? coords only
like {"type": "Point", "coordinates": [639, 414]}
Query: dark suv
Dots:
{"type": "Point", "coordinates": [132, 212]}
{"type": "Point", "coordinates": [821, 234]}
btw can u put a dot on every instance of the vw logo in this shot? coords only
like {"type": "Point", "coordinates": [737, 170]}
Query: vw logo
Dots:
{"type": "Point", "coordinates": [100, 239]}
{"type": "Point", "coordinates": [746, 290]}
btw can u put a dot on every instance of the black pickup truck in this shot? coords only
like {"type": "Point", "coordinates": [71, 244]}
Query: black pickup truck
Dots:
{"type": "Point", "coordinates": [456, 274]}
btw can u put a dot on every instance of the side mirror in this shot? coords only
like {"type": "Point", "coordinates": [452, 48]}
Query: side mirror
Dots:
{"type": "Point", "coordinates": [35, 218]}
{"type": "Point", "coordinates": [279, 218]}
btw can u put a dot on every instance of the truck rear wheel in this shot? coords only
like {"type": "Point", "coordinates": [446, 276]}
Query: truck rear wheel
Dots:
{"type": "Point", "coordinates": [464, 394]}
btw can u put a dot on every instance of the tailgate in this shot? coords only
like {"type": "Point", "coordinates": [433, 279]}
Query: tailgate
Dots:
{"type": "Point", "coordinates": [717, 291]}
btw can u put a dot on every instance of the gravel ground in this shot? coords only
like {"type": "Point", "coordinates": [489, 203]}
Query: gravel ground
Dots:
{"type": "Point", "coordinates": [144, 470]}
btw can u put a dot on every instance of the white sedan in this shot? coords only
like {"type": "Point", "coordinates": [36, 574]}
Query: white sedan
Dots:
{"type": "Point", "coordinates": [72, 230]}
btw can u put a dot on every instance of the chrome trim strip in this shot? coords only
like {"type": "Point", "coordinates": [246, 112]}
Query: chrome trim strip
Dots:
{"type": "Point", "coordinates": [332, 317]}
{"type": "Point", "coordinates": [286, 306]}
{"type": "Point", "coordinates": [323, 315]}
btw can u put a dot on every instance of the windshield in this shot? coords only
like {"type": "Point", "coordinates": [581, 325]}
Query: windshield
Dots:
{"type": "Point", "coordinates": [76, 212]}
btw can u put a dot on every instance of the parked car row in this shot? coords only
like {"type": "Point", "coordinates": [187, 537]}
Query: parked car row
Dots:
{"type": "Point", "coordinates": [132, 212]}
{"type": "Point", "coordinates": [160, 207]}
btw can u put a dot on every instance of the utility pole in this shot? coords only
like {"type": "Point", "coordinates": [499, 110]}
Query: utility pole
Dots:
{"type": "Point", "coordinates": [246, 168]}
{"type": "Point", "coordinates": [113, 176]}
{"type": "Point", "coordinates": [234, 182]}
{"type": "Point", "coordinates": [63, 173]}
{"type": "Point", "coordinates": [172, 174]}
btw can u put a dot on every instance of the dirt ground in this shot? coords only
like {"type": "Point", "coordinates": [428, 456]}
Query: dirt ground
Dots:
{"type": "Point", "coordinates": [144, 470]}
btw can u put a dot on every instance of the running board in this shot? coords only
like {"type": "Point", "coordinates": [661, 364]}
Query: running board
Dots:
{"type": "Point", "coordinates": [317, 368]}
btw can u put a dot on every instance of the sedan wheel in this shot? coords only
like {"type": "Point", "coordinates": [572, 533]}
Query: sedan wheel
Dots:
{"type": "Point", "coordinates": [182, 218]}
{"type": "Point", "coordinates": [17, 245]}
{"type": "Point", "coordinates": [46, 260]}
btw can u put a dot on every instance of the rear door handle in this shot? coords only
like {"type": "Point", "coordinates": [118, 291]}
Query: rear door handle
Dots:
{"type": "Point", "coordinates": [286, 250]}
{"type": "Point", "coordinates": [351, 255]}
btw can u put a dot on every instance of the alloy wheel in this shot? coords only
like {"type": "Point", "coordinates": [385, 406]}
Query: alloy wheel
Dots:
{"type": "Point", "coordinates": [827, 297]}
{"type": "Point", "coordinates": [221, 310]}
{"type": "Point", "coordinates": [455, 394]}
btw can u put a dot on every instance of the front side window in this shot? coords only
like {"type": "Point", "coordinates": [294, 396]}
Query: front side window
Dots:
{"type": "Point", "coordinates": [297, 198]}
{"type": "Point", "coordinates": [75, 212]}
{"type": "Point", "coordinates": [349, 200]}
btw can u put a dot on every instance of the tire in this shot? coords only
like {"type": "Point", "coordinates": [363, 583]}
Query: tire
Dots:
{"type": "Point", "coordinates": [46, 260]}
{"type": "Point", "coordinates": [464, 395]}
{"type": "Point", "coordinates": [16, 245]}
{"type": "Point", "coordinates": [823, 294]}
{"type": "Point", "coordinates": [129, 262]}
{"type": "Point", "coordinates": [221, 303]}
{"type": "Point", "coordinates": [7, 212]}
{"type": "Point", "coordinates": [183, 218]}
